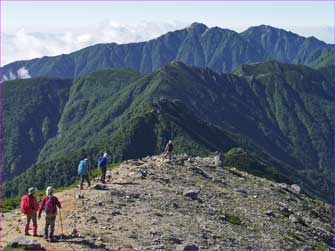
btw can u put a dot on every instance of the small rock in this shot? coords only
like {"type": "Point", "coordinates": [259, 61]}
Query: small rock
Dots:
{"type": "Point", "coordinates": [296, 188]}
{"type": "Point", "coordinates": [293, 218]}
{"type": "Point", "coordinates": [192, 193]}
{"type": "Point", "coordinates": [188, 246]}
{"type": "Point", "coordinates": [115, 212]}
{"type": "Point", "coordinates": [100, 239]}
{"type": "Point", "coordinates": [269, 213]}
{"type": "Point", "coordinates": [100, 187]}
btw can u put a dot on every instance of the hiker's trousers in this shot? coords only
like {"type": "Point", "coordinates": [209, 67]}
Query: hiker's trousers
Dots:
{"type": "Point", "coordinates": [31, 217]}
{"type": "Point", "coordinates": [82, 177]}
{"type": "Point", "coordinates": [50, 220]}
{"type": "Point", "coordinates": [103, 173]}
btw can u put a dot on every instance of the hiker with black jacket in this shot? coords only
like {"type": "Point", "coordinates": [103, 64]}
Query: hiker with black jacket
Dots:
{"type": "Point", "coordinates": [49, 205]}
{"type": "Point", "coordinates": [29, 207]}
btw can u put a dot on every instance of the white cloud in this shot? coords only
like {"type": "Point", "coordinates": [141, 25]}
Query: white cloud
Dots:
{"type": "Point", "coordinates": [23, 73]}
{"type": "Point", "coordinates": [23, 45]}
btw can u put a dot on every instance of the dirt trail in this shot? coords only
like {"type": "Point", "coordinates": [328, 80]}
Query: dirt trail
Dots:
{"type": "Point", "coordinates": [13, 223]}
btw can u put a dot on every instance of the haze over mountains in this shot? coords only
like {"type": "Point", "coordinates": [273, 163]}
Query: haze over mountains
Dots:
{"type": "Point", "coordinates": [130, 99]}
{"type": "Point", "coordinates": [221, 50]}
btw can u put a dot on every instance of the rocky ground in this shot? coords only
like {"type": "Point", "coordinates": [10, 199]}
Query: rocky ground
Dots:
{"type": "Point", "coordinates": [187, 203]}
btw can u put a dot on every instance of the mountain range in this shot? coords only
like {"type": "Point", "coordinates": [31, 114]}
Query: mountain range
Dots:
{"type": "Point", "coordinates": [281, 114]}
{"type": "Point", "coordinates": [221, 50]}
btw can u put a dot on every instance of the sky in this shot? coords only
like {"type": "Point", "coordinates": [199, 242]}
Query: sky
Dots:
{"type": "Point", "coordinates": [35, 29]}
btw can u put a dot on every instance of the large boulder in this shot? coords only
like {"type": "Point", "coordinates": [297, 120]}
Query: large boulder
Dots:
{"type": "Point", "coordinates": [25, 243]}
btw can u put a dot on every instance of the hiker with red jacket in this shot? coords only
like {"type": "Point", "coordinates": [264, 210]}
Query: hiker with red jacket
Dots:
{"type": "Point", "coordinates": [49, 205]}
{"type": "Point", "coordinates": [29, 207]}
{"type": "Point", "coordinates": [168, 150]}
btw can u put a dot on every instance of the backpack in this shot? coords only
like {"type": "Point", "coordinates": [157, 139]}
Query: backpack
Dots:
{"type": "Point", "coordinates": [102, 162]}
{"type": "Point", "coordinates": [170, 147]}
{"type": "Point", "coordinates": [50, 205]}
{"type": "Point", "coordinates": [26, 206]}
{"type": "Point", "coordinates": [82, 167]}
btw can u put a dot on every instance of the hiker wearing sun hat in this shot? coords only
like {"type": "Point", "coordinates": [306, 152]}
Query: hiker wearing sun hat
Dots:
{"type": "Point", "coordinates": [29, 207]}
{"type": "Point", "coordinates": [49, 205]}
{"type": "Point", "coordinates": [83, 171]}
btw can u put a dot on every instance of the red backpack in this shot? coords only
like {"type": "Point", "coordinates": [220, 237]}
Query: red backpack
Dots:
{"type": "Point", "coordinates": [26, 204]}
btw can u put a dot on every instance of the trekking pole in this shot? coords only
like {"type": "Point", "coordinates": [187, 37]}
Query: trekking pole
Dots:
{"type": "Point", "coordinates": [61, 225]}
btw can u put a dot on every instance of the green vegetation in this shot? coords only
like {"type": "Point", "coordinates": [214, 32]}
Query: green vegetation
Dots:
{"type": "Point", "coordinates": [244, 161]}
{"type": "Point", "coordinates": [233, 219]}
{"type": "Point", "coordinates": [293, 235]}
{"type": "Point", "coordinates": [280, 114]}
{"type": "Point", "coordinates": [319, 246]}
{"type": "Point", "coordinates": [31, 111]}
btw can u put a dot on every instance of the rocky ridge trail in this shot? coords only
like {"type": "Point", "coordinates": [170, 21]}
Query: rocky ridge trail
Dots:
{"type": "Point", "coordinates": [190, 203]}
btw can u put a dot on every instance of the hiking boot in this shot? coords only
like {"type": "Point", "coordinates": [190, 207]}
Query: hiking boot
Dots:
{"type": "Point", "coordinates": [35, 234]}
{"type": "Point", "coordinates": [52, 239]}
{"type": "Point", "coordinates": [26, 234]}
{"type": "Point", "coordinates": [45, 237]}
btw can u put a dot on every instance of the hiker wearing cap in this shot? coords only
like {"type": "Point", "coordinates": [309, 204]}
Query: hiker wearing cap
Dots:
{"type": "Point", "coordinates": [168, 150]}
{"type": "Point", "coordinates": [29, 207]}
{"type": "Point", "coordinates": [102, 164]}
{"type": "Point", "coordinates": [49, 206]}
{"type": "Point", "coordinates": [83, 170]}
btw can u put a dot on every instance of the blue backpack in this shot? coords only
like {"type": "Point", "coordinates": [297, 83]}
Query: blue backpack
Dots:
{"type": "Point", "coordinates": [83, 167]}
{"type": "Point", "coordinates": [102, 161]}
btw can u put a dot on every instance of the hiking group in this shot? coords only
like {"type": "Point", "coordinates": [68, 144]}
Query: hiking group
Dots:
{"type": "Point", "coordinates": [31, 208]}
{"type": "Point", "coordinates": [50, 203]}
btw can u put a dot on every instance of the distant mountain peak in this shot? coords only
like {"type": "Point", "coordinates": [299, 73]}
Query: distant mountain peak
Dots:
{"type": "Point", "coordinates": [198, 27]}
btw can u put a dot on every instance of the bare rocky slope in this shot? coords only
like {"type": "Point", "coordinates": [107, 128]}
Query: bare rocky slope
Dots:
{"type": "Point", "coordinates": [189, 203]}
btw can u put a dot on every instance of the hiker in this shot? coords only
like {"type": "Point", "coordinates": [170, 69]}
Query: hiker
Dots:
{"type": "Point", "coordinates": [29, 207]}
{"type": "Point", "coordinates": [49, 205]}
{"type": "Point", "coordinates": [168, 150]}
{"type": "Point", "coordinates": [83, 170]}
{"type": "Point", "coordinates": [102, 164]}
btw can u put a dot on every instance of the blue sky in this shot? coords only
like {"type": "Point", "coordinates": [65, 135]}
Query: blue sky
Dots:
{"type": "Point", "coordinates": [230, 14]}
{"type": "Point", "coordinates": [35, 29]}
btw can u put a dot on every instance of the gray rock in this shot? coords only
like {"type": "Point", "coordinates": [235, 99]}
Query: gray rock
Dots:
{"type": "Point", "coordinates": [192, 193]}
{"type": "Point", "coordinates": [293, 219]}
{"type": "Point", "coordinates": [26, 243]}
{"type": "Point", "coordinates": [269, 213]}
{"type": "Point", "coordinates": [219, 160]}
{"type": "Point", "coordinates": [296, 188]}
{"type": "Point", "coordinates": [100, 187]}
{"type": "Point", "coordinates": [188, 246]}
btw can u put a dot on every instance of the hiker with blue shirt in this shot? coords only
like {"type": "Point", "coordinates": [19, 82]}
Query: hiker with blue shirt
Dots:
{"type": "Point", "coordinates": [102, 164]}
{"type": "Point", "coordinates": [83, 171]}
